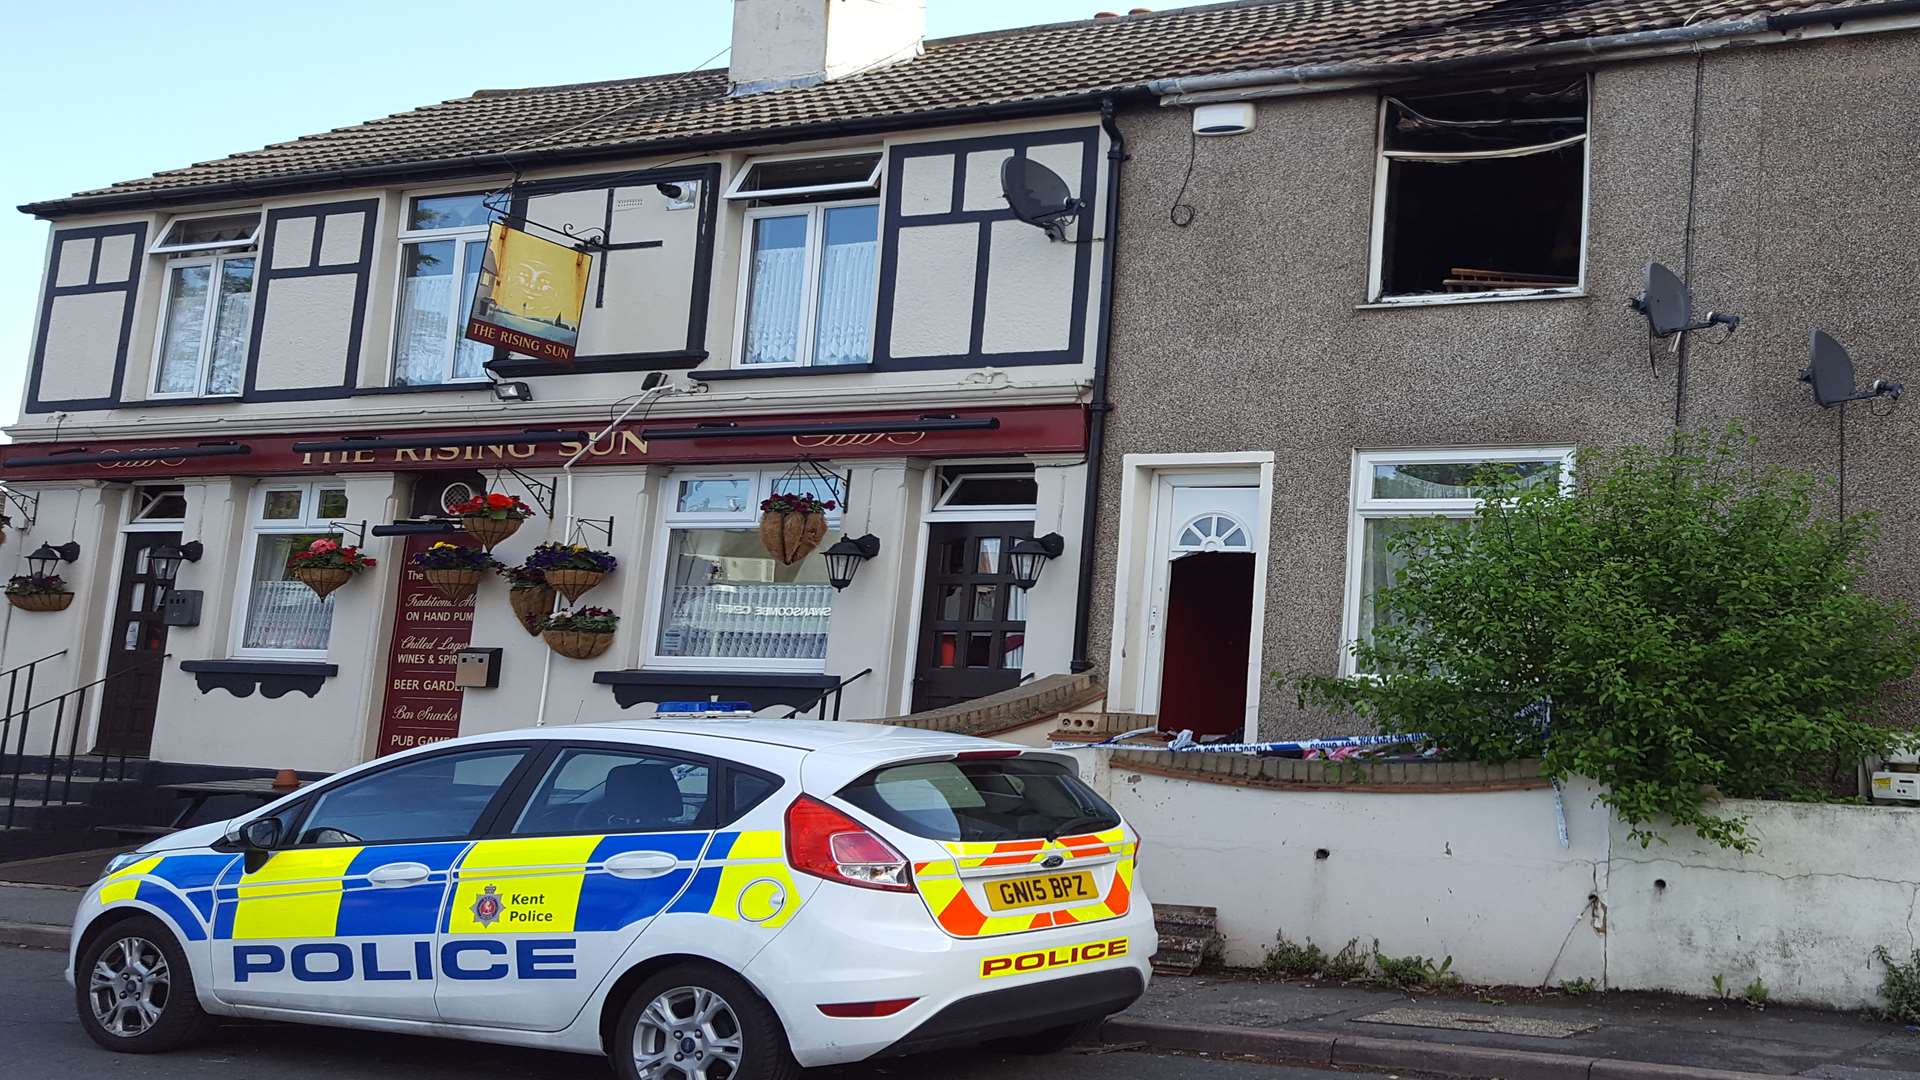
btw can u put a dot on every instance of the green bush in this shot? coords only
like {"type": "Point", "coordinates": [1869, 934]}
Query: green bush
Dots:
{"type": "Point", "coordinates": [1295, 961]}
{"type": "Point", "coordinates": [1412, 972]}
{"type": "Point", "coordinates": [1697, 624]}
{"type": "Point", "coordinates": [1900, 987]}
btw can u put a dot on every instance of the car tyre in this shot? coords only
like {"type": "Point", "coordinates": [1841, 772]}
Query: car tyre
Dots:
{"type": "Point", "coordinates": [700, 1022]}
{"type": "Point", "coordinates": [135, 992]}
{"type": "Point", "coordinates": [1050, 1041]}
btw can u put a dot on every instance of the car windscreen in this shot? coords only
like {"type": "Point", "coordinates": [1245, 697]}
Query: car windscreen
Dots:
{"type": "Point", "coordinates": [989, 799]}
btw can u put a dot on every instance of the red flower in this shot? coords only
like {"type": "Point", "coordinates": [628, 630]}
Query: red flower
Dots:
{"type": "Point", "coordinates": [499, 501]}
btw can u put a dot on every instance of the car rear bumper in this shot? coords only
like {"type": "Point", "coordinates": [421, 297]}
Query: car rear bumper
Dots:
{"type": "Point", "coordinates": [1023, 1010]}
{"type": "Point", "coordinates": [851, 945]}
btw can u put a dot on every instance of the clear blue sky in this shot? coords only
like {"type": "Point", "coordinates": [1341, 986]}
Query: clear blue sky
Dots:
{"type": "Point", "coordinates": [91, 93]}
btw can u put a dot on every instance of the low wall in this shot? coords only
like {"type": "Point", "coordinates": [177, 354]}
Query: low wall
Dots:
{"type": "Point", "coordinates": [1475, 870]}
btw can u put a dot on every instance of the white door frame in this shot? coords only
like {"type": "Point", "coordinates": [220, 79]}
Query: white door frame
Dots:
{"type": "Point", "coordinates": [1138, 566]}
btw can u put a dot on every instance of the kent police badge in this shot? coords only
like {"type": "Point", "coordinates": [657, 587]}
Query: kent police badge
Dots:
{"type": "Point", "coordinates": [486, 907]}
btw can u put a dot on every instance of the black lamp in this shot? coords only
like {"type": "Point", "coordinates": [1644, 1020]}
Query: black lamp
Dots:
{"type": "Point", "coordinates": [846, 555]}
{"type": "Point", "coordinates": [41, 562]}
{"type": "Point", "coordinates": [1030, 555]}
{"type": "Point", "coordinates": [166, 559]}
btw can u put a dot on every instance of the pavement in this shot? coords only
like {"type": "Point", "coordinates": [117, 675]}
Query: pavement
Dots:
{"type": "Point", "coordinates": [1509, 1034]}
{"type": "Point", "coordinates": [43, 1041]}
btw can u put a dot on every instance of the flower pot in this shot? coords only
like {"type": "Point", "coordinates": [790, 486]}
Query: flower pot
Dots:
{"type": "Point", "coordinates": [791, 537]}
{"type": "Point", "coordinates": [530, 606]}
{"type": "Point", "coordinates": [321, 579]}
{"type": "Point", "coordinates": [578, 644]}
{"type": "Point", "coordinates": [571, 583]}
{"type": "Point", "coordinates": [42, 601]}
{"type": "Point", "coordinates": [489, 530]}
{"type": "Point", "coordinates": [454, 584]}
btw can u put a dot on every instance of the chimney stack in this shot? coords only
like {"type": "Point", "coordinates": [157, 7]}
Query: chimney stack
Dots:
{"type": "Point", "coordinates": [782, 43]}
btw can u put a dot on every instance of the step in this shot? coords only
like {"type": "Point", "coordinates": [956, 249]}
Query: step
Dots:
{"type": "Point", "coordinates": [1189, 937]}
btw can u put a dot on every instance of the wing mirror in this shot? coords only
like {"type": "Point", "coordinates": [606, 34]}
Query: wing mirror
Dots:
{"type": "Point", "coordinates": [259, 837]}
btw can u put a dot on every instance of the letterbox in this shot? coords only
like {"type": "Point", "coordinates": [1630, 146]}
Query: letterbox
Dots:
{"type": "Point", "coordinates": [475, 669]}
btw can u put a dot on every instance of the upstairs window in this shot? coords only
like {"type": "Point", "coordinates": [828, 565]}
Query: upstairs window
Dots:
{"type": "Point", "coordinates": [206, 306]}
{"type": "Point", "coordinates": [1482, 193]}
{"type": "Point", "coordinates": [808, 282]}
{"type": "Point", "coordinates": [442, 243]}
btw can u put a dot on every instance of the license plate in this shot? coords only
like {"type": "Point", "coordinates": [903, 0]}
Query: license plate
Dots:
{"type": "Point", "coordinates": [1006, 894]}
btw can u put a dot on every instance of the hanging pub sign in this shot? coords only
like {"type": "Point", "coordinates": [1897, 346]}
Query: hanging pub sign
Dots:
{"type": "Point", "coordinates": [530, 295]}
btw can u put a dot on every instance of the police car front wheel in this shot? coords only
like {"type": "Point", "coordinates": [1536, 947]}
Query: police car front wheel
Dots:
{"type": "Point", "coordinates": [700, 1022]}
{"type": "Point", "coordinates": [134, 989]}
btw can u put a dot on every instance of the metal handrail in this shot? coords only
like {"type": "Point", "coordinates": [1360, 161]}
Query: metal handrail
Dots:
{"type": "Point", "coordinates": [30, 663]}
{"type": "Point", "coordinates": [833, 692]}
{"type": "Point", "coordinates": [77, 699]}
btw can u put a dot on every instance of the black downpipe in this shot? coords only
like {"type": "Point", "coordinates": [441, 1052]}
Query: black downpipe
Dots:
{"type": "Point", "coordinates": [1099, 406]}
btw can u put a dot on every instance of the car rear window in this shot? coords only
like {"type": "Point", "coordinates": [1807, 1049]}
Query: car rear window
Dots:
{"type": "Point", "coordinates": [993, 799]}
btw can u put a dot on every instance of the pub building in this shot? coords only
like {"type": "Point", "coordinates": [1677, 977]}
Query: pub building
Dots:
{"type": "Point", "coordinates": [795, 282]}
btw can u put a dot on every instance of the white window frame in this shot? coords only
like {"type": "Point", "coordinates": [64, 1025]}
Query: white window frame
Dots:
{"type": "Point", "coordinates": [1363, 507]}
{"type": "Point", "coordinates": [136, 522]}
{"type": "Point", "coordinates": [160, 246]}
{"type": "Point", "coordinates": [815, 214]}
{"type": "Point", "coordinates": [942, 510]}
{"type": "Point", "coordinates": [257, 526]}
{"type": "Point", "coordinates": [461, 236]}
{"type": "Point", "coordinates": [1376, 269]}
{"type": "Point", "coordinates": [744, 520]}
{"type": "Point", "coordinates": [215, 262]}
{"type": "Point", "coordinates": [736, 188]}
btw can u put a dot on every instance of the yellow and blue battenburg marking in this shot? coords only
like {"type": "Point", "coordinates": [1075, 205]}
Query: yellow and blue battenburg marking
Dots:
{"type": "Point", "coordinates": [179, 886]}
{"type": "Point", "coordinates": [560, 884]}
{"type": "Point", "coordinates": [745, 878]}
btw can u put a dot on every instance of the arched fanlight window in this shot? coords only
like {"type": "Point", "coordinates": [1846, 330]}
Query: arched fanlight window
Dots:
{"type": "Point", "coordinates": [1213, 532]}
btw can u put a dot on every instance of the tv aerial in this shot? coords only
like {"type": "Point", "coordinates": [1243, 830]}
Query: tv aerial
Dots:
{"type": "Point", "coordinates": [1668, 306]}
{"type": "Point", "coordinates": [1829, 371]}
{"type": "Point", "coordinates": [1038, 196]}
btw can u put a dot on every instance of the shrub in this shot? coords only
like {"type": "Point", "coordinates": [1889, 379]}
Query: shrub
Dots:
{"type": "Point", "coordinates": [1284, 957]}
{"type": "Point", "coordinates": [1900, 987]}
{"type": "Point", "coordinates": [1690, 621]}
{"type": "Point", "coordinates": [1412, 972]}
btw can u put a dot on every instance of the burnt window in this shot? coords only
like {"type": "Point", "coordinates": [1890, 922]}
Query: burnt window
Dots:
{"type": "Point", "coordinates": [1484, 191]}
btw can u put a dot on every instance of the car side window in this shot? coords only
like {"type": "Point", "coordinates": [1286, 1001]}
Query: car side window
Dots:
{"type": "Point", "coordinates": [436, 798]}
{"type": "Point", "coordinates": [746, 790]}
{"type": "Point", "coordinates": [597, 790]}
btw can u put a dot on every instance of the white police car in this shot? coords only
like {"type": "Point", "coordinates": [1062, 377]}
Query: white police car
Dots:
{"type": "Point", "coordinates": [712, 899]}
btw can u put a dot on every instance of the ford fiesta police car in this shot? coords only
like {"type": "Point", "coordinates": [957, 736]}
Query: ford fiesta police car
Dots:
{"type": "Point", "coordinates": [710, 899]}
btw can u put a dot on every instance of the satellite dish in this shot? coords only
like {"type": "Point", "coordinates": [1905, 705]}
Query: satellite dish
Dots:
{"type": "Point", "coordinates": [1830, 372]}
{"type": "Point", "coordinates": [1668, 305]}
{"type": "Point", "coordinates": [1038, 196]}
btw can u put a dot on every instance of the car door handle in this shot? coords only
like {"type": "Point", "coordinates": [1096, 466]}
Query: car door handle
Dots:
{"type": "Point", "coordinates": [398, 875]}
{"type": "Point", "coordinates": [640, 864]}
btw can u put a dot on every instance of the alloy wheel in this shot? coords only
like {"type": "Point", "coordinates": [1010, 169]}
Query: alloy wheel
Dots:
{"type": "Point", "coordinates": [688, 1033]}
{"type": "Point", "coordinates": [129, 987]}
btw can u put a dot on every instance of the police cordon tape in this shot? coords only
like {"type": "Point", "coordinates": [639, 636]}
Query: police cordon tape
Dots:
{"type": "Point", "coordinates": [1185, 743]}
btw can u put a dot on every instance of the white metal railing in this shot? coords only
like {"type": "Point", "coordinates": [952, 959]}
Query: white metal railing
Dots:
{"type": "Point", "coordinates": [757, 622]}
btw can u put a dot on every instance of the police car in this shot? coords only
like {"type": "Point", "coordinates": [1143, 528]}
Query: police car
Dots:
{"type": "Point", "coordinates": [713, 899]}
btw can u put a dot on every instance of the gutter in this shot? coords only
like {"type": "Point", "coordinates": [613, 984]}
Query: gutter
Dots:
{"type": "Point", "coordinates": [1098, 406]}
{"type": "Point", "coordinates": [487, 164]}
{"type": "Point", "coordinates": [1313, 78]}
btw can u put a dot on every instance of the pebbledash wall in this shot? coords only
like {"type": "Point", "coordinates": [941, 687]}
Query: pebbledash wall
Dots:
{"type": "Point", "coordinates": [1247, 334]}
{"type": "Point", "coordinates": [1479, 874]}
{"type": "Point", "coordinates": [958, 331]}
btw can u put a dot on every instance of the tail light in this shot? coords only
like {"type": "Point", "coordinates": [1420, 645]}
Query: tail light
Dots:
{"type": "Point", "coordinates": [828, 844]}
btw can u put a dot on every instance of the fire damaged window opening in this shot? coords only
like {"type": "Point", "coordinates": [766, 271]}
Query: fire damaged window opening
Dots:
{"type": "Point", "coordinates": [1482, 192]}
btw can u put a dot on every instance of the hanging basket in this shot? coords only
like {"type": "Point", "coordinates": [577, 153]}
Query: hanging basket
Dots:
{"type": "Point", "coordinates": [578, 644]}
{"type": "Point", "coordinates": [489, 531]}
{"type": "Point", "coordinates": [791, 537]}
{"type": "Point", "coordinates": [571, 583]}
{"type": "Point", "coordinates": [530, 606]}
{"type": "Point", "coordinates": [45, 601]}
{"type": "Point", "coordinates": [321, 579]}
{"type": "Point", "coordinates": [454, 584]}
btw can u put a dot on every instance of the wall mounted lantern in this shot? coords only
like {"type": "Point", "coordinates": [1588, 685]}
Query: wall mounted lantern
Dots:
{"type": "Point", "coordinates": [846, 555]}
{"type": "Point", "coordinates": [41, 562]}
{"type": "Point", "coordinates": [166, 559]}
{"type": "Point", "coordinates": [1029, 556]}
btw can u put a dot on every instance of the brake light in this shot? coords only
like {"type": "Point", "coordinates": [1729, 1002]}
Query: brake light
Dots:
{"type": "Point", "coordinates": [854, 1009]}
{"type": "Point", "coordinates": [985, 755]}
{"type": "Point", "coordinates": [828, 844]}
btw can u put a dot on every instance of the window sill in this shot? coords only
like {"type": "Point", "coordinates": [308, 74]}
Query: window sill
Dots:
{"type": "Point", "coordinates": [161, 402]}
{"type": "Point", "coordinates": [527, 367]}
{"type": "Point", "coordinates": [761, 690]}
{"type": "Point", "coordinates": [464, 386]}
{"type": "Point", "coordinates": [1443, 299]}
{"type": "Point", "coordinates": [272, 678]}
{"type": "Point", "coordinates": [779, 372]}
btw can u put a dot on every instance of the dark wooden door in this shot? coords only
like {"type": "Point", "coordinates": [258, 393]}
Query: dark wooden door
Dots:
{"type": "Point", "coordinates": [139, 641]}
{"type": "Point", "coordinates": [973, 620]}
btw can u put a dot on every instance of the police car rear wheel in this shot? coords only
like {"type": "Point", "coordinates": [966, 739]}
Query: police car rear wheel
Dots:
{"type": "Point", "coordinates": [698, 1022]}
{"type": "Point", "coordinates": [135, 992]}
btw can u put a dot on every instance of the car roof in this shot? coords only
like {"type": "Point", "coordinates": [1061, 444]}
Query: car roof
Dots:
{"type": "Point", "coordinates": [809, 735]}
